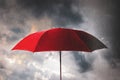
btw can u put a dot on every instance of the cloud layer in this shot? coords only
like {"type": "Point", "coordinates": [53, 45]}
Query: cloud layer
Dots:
{"type": "Point", "coordinates": [21, 17]}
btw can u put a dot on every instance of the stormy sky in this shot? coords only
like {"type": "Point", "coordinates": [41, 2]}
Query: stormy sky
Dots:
{"type": "Point", "coordinates": [19, 18]}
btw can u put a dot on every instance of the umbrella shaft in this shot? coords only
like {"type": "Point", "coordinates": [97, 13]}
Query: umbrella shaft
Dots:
{"type": "Point", "coordinates": [60, 66]}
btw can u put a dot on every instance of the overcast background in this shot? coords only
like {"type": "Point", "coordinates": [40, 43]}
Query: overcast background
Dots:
{"type": "Point", "coordinates": [19, 18]}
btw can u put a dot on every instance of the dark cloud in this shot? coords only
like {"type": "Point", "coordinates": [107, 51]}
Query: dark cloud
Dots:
{"type": "Point", "coordinates": [112, 31]}
{"type": "Point", "coordinates": [16, 30]}
{"type": "Point", "coordinates": [17, 16]}
{"type": "Point", "coordinates": [2, 4]}
{"type": "Point", "coordinates": [115, 28]}
{"type": "Point", "coordinates": [11, 20]}
{"type": "Point", "coordinates": [60, 11]}
{"type": "Point", "coordinates": [1, 66]}
{"type": "Point", "coordinates": [81, 61]}
{"type": "Point", "coordinates": [108, 26]}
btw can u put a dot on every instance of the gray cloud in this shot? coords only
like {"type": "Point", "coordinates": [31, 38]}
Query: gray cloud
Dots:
{"type": "Point", "coordinates": [82, 62]}
{"type": "Point", "coordinates": [19, 17]}
{"type": "Point", "coordinates": [60, 11]}
{"type": "Point", "coordinates": [17, 14]}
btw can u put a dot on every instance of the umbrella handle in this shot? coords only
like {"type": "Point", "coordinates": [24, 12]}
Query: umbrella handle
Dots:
{"type": "Point", "coordinates": [60, 65]}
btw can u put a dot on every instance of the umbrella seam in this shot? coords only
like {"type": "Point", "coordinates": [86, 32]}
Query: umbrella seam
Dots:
{"type": "Point", "coordinates": [40, 39]}
{"type": "Point", "coordinates": [81, 40]}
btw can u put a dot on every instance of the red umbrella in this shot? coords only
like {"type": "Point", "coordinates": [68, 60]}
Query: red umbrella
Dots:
{"type": "Point", "coordinates": [59, 39]}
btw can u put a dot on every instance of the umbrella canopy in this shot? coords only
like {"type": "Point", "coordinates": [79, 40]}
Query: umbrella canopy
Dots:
{"type": "Point", "coordinates": [59, 39]}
